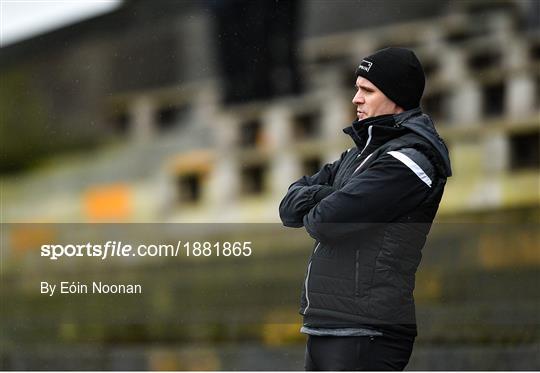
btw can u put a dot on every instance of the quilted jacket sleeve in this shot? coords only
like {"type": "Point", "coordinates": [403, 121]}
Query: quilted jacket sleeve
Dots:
{"type": "Point", "coordinates": [306, 192]}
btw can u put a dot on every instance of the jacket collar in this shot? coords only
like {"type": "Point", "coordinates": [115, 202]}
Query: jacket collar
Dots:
{"type": "Point", "coordinates": [402, 117]}
{"type": "Point", "coordinates": [393, 120]}
{"type": "Point", "coordinates": [358, 129]}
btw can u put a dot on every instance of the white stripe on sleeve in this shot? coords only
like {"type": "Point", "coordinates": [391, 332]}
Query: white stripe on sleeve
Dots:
{"type": "Point", "coordinates": [412, 165]}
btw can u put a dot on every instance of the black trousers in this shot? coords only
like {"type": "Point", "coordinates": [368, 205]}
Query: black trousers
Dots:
{"type": "Point", "coordinates": [357, 353]}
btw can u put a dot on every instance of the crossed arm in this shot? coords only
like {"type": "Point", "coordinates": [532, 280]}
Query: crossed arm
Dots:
{"type": "Point", "coordinates": [307, 192]}
{"type": "Point", "coordinates": [383, 192]}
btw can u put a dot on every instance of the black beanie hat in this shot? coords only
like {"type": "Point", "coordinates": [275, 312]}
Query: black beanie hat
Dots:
{"type": "Point", "coordinates": [397, 73]}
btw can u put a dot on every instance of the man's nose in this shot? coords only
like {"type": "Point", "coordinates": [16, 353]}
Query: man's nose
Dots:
{"type": "Point", "coordinates": [358, 99]}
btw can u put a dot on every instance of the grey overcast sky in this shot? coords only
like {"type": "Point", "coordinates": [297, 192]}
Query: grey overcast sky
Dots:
{"type": "Point", "coordinates": [22, 19]}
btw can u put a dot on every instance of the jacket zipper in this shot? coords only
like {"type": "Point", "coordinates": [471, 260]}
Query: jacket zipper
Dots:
{"type": "Point", "coordinates": [361, 164]}
{"type": "Point", "coordinates": [307, 279]}
{"type": "Point", "coordinates": [370, 134]}
{"type": "Point", "coordinates": [370, 128]}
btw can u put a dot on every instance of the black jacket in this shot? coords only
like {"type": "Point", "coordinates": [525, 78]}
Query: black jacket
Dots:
{"type": "Point", "coordinates": [370, 212]}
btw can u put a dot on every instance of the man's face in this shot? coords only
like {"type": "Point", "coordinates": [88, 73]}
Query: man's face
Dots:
{"type": "Point", "coordinates": [370, 101]}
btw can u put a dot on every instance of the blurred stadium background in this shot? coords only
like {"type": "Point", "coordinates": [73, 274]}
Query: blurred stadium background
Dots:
{"type": "Point", "coordinates": [167, 112]}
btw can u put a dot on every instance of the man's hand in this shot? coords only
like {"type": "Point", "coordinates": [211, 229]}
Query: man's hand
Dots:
{"type": "Point", "coordinates": [323, 192]}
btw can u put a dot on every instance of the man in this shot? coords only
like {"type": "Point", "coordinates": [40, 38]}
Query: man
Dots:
{"type": "Point", "coordinates": [370, 212]}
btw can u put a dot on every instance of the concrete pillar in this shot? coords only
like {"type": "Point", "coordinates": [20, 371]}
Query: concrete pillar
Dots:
{"type": "Point", "coordinates": [520, 96]}
{"type": "Point", "coordinates": [453, 66]}
{"type": "Point", "coordinates": [205, 106]}
{"type": "Point", "coordinates": [432, 40]}
{"type": "Point", "coordinates": [223, 186]}
{"type": "Point", "coordinates": [336, 108]}
{"type": "Point", "coordinates": [336, 117]}
{"type": "Point", "coordinates": [466, 103]}
{"type": "Point", "coordinates": [520, 93]}
{"type": "Point", "coordinates": [495, 153]}
{"type": "Point", "coordinates": [284, 166]}
{"type": "Point", "coordinates": [142, 113]}
{"type": "Point", "coordinates": [465, 100]}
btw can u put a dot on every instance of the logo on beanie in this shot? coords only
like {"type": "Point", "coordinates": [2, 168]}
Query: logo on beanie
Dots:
{"type": "Point", "coordinates": [365, 65]}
